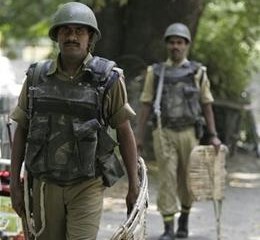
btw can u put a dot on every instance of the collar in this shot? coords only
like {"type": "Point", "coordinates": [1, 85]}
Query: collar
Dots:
{"type": "Point", "coordinates": [183, 63]}
{"type": "Point", "coordinates": [55, 64]}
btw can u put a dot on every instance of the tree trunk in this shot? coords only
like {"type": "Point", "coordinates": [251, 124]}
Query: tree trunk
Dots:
{"type": "Point", "coordinates": [138, 27]}
{"type": "Point", "coordinates": [111, 26]}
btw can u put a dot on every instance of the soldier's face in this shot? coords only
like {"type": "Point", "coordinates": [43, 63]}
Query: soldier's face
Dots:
{"type": "Point", "coordinates": [73, 40]}
{"type": "Point", "coordinates": [177, 48]}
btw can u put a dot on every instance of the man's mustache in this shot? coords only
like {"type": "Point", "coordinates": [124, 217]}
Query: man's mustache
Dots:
{"type": "Point", "coordinates": [71, 42]}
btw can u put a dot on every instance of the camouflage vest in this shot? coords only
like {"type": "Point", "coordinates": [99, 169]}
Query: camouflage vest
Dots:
{"type": "Point", "coordinates": [180, 106]}
{"type": "Point", "coordinates": [65, 122]}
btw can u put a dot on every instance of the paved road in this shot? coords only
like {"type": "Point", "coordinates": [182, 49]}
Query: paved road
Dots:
{"type": "Point", "coordinates": [240, 217]}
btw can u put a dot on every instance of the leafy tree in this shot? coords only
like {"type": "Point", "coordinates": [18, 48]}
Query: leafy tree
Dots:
{"type": "Point", "coordinates": [226, 43]}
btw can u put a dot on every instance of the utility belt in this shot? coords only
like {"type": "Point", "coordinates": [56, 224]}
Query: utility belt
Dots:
{"type": "Point", "coordinates": [182, 125]}
{"type": "Point", "coordinates": [177, 129]}
{"type": "Point", "coordinates": [198, 126]}
{"type": "Point", "coordinates": [176, 125]}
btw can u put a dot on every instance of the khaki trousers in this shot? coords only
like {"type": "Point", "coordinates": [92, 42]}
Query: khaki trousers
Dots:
{"type": "Point", "coordinates": [172, 150]}
{"type": "Point", "coordinates": [71, 212]}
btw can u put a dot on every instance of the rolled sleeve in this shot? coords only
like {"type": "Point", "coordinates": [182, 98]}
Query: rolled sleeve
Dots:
{"type": "Point", "coordinates": [124, 113]}
{"type": "Point", "coordinates": [147, 95]}
{"type": "Point", "coordinates": [19, 114]}
{"type": "Point", "coordinates": [118, 108]}
{"type": "Point", "coordinates": [204, 84]}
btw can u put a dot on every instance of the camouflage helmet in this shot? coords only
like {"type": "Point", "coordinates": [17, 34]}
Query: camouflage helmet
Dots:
{"type": "Point", "coordinates": [73, 13]}
{"type": "Point", "coordinates": [178, 29]}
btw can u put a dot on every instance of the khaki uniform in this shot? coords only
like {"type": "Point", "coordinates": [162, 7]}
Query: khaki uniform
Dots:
{"type": "Point", "coordinates": [73, 212]}
{"type": "Point", "coordinates": [172, 148]}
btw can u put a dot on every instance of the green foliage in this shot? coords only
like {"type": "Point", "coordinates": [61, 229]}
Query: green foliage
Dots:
{"type": "Point", "coordinates": [29, 20]}
{"type": "Point", "coordinates": [226, 43]}
{"type": "Point", "coordinates": [26, 19]}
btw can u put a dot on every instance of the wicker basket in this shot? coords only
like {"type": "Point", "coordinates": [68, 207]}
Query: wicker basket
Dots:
{"type": "Point", "coordinates": [207, 173]}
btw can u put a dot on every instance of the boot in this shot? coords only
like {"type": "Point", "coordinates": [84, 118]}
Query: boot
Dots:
{"type": "Point", "coordinates": [182, 231]}
{"type": "Point", "coordinates": [168, 231]}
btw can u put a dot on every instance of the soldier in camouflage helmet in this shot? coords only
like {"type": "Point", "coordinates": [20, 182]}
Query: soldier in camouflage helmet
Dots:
{"type": "Point", "coordinates": [178, 92]}
{"type": "Point", "coordinates": [63, 112]}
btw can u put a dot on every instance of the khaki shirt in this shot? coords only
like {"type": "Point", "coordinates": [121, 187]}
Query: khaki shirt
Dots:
{"type": "Point", "coordinates": [116, 104]}
{"type": "Point", "coordinates": [147, 95]}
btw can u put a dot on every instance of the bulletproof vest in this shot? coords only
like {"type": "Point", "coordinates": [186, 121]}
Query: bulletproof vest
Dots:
{"type": "Point", "coordinates": [65, 119]}
{"type": "Point", "coordinates": [180, 105]}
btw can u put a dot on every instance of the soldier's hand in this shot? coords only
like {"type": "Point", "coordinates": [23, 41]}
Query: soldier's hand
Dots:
{"type": "Point", "coordinates": [17, 198]}
{"type": "Point", "coordinates": [215, 141]}
{"type": "Point", "coordinates": [131, 198]}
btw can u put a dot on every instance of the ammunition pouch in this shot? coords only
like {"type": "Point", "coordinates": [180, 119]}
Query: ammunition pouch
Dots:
{"type": "Point", "coordinates": [65, 158]}
{"type": "Point", "coordinates": [109, 165]}
{"type": "Point", "coordinates": [85, 130]}
{"type": "Point", "coordinates": [86, 143]}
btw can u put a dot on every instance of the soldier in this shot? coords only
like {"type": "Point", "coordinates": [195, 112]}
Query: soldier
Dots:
{"type": "Point", "coordinates": [63, 113]}
{"type": "Point", "coordinates": [178, 91]}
